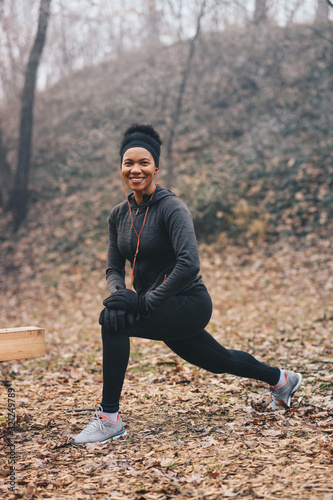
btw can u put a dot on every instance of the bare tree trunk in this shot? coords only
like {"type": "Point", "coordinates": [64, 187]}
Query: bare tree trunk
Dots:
{"type": "Point", "coordinates": [260, 12]}
{"type": "Point", "coordinates": [179, 105]}
{"type": "Point", "coordinates": [322, 11]}
{"type": "Point", "coordinates": [5, 175]}
{"type": "Point", "coordinates": [19, 198]}
{"type": "Point", "coordinates": [153, 21]}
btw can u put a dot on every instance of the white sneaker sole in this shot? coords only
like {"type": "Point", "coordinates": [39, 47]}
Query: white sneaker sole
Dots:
{"type": "Point", "coordinates": [295, 388]}
{"type": "Point", "coordinates": [112, 438]}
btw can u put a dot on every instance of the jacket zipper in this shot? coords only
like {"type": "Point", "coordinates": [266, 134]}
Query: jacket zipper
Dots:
{"type": "Point", "coordinates": [136, 213]}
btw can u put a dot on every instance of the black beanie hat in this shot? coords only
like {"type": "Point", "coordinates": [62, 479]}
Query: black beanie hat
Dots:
{"type": "Point", "coordinates": [142, 136]}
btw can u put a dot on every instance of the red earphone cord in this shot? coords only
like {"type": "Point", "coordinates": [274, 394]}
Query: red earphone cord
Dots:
{"type": "Point", "coordinates": [143, 224]}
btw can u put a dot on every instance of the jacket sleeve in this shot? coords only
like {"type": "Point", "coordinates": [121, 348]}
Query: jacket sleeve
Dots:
{"type": "Point", "coordinates": [179, 225]}
{"type": "Point", "coordinates": [115, 272]}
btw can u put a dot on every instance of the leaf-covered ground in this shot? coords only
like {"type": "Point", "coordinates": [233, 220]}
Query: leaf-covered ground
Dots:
{"type": "Point", "coordinates": [190, 434]}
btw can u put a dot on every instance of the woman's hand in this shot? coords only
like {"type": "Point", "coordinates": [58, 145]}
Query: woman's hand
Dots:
{"type": "Point", "coordinates": [115, 319]}
{"type": "Point", "coordinates": [127, 300]}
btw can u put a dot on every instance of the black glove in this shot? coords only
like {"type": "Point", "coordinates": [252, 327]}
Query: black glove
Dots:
{"type": "Point", "coordinates": [115, 319]}
{"type": "Point", "coordinates": [129, 301]}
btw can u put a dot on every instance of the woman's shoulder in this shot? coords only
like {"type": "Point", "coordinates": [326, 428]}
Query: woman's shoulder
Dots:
{"type": "Point", "coordinates": [168, 198]}
{"type": "Point", "coordinates": [118, 209]}
{"type": "Point", "coordinates": [170, 206]}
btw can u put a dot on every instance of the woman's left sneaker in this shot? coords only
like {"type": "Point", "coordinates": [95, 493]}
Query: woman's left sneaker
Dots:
{"type": "Point", "coordinates": [281, 394]}
{"type": "Point", "coordinates": [100, 430]}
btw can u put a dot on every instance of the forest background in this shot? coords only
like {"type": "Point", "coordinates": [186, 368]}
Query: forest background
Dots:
{"type": "Point", "coordinates": [241, 94]}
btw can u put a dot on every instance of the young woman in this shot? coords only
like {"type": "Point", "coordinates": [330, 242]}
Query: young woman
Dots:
{"type": "Point", "coordinates": [153, 230]}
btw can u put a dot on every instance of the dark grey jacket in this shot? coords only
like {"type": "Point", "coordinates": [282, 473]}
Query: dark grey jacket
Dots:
{"type": "Point", "coordinates": [168, 262]}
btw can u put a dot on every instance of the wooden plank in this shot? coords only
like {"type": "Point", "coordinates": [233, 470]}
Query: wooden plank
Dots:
{"type": "Point", "coordinates": [21, 343]}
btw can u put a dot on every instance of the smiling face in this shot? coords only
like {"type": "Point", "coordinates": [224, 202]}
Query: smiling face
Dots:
{"type": "Point", "coordinates": [138, 170]}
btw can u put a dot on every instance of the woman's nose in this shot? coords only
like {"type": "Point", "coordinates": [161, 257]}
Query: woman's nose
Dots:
{"type": "Point", "coordinates": [136, 168]}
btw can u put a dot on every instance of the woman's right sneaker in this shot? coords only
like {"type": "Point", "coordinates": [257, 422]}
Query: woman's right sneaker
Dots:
{"type": "Point", "coordinates": [281, 394]}
{"type": "Point", "coordinates": [100, 430]}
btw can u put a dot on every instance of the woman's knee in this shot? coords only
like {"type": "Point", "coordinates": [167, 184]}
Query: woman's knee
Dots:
{"type": "Point", "coordinates": [111, 334]}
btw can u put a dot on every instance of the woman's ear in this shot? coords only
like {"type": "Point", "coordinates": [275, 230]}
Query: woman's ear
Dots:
{"type": "Point", "coordinates": [156, 170]}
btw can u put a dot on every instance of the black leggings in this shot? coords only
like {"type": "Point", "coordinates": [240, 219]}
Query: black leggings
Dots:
{"type": "Point", "coordinates": [180, 325]}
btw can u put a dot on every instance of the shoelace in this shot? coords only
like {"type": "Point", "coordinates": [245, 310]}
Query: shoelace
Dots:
{"type": "Point", "coordinates": [97, 422]}
{"type": "Point", "coordinates": [269, 389]}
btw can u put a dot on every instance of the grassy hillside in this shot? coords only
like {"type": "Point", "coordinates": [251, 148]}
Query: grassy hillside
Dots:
{"type": "Point", "coordinates": [252, 152]}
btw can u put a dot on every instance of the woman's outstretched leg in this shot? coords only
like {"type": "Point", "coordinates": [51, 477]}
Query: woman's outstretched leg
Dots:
{"type": "Point", "coordinates": [205, 352]}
